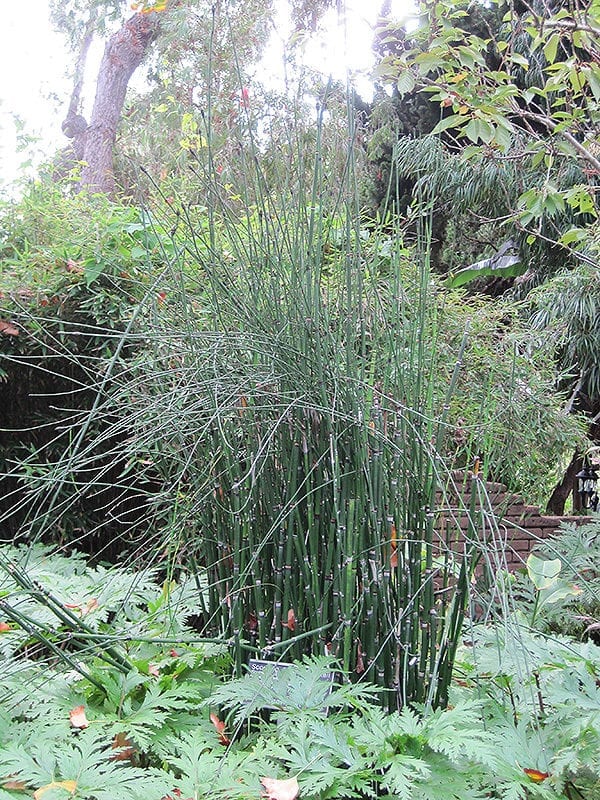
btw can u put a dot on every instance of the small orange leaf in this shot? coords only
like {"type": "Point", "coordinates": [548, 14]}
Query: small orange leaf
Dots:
{"type": "Point", "coordinates": [91, 605]}
{"type": "Point", "coordinates": [7, 329]}
{"type": "Point", "coordinates": [280, 790]}
{"type": "Point", "coordinates": [176, 794]}
{"type": "Point", "coordinates": [70, 786]}
{"type": "Point", "coordinates": [291, 621]}
{"type": "Point", "coordinates": [394, 553]}
{"type": "Point", "coordinates": [220, 726]}
{"type": "Point", "coordinates": [5, 627]}
{"type": "Point", "coordinates": [360, 661]}
{"type": "Point", "coordinates": [535, 775]}
{"type": "Point", "coordinates": [124, 747]}
{"type": "Point", "coordinates": [78, 718]}
{"type": "Point", "coordinates": [14, 786]}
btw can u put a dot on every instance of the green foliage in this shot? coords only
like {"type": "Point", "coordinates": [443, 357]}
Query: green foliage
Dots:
{"type": "Point", "coordinates": [74, 276]}
{"type": "Point", "coordinates": [500, 265]}
{"type": "Point", "coordinates": [49, 241]}
{"type": "Point", "coordinates": [84, 766]}
{"type": "Point", "coordinates": [565, 310]}
{"type": "Point", "coordinates": [516, 90]}
{"type": "Point", "coordinates": [148, 730]}
{"type": "Point", "coordinates": [506, 396]}
{"type": "Point", "coordinates": [571, 605]}
{"type": "Point", "coordinates": [278, 423]}
{"type": "Point", "coordinates": [530, 685]}
{"type": "Point", "coordinates": [282, 420]}
{"type": "Point", "coordinates": [115, 631]}
{"type": "Point", "coordinates": [271, 391]}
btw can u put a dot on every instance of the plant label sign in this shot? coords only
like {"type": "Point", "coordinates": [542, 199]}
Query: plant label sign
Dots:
{"type": "Point", "coordinates": [276, 671]}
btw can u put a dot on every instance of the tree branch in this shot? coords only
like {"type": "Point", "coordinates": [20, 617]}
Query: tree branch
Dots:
{"type": "Point", "coordinates": [552, 126]}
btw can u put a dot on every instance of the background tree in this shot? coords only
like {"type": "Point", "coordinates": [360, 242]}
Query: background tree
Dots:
{"type": "Point", "coordinates": [199, 58]}
{"type": "Point", "coordinates": [512, 162]}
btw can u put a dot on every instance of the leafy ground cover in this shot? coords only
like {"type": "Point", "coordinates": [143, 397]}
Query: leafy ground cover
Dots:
{"type": "Point", "coordinates": [110, 692]}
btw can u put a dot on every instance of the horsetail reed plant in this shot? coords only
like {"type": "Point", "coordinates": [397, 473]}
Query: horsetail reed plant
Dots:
{"type": "Point", "coordinates": [279, 426]}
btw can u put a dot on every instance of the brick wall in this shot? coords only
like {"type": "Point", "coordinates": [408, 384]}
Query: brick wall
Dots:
{"type": "Point", "coordinates": [503, 518]}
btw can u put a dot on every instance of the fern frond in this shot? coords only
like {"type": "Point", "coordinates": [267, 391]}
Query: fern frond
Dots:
{"type": "Point", "coordinates": [459, 734]}
{"type": "Point", "coordinates": [402, 773]}
{"type": "Point", "coordinates": [87, 761]}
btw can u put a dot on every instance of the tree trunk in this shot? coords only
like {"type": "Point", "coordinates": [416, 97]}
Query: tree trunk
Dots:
{"type": "Point", "coordinates": [74, 125]}
{"type": "Point", "coordinates": [566, 485]}
{"type": "Point", "coordinates": [124, 52]}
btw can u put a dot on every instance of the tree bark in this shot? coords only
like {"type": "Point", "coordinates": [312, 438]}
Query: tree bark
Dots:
{"type": "Point", "coordinates": [568, 483]}
{"type": "Point", "coordinates": [562, 490]}
{"type": "Point", "coordinates": [74, 125]}
{"type": "Point", "coordinates": [124, 52]}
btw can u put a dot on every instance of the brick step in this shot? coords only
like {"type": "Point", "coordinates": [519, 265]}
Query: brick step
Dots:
{"type": "Point", "coordinates": [462, 478]}
{"type": "Point", "coordinates": [537, 525]}
{"type": "Point", "coordinates": [511, 512]}
{"type": "Point", "coordinates": [500, 500]}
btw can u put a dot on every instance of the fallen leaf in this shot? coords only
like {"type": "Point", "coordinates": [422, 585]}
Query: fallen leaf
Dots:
{"type": "Point", "coordinates": [280, 790]}
{"type": "Point", "coordinates": [7, 329]}
{"type": "Point", "coordinates": [125, 747]}
{"type": "Point", "coordinates": [74, 267]}
{"type": "Point", "coordinates": [535, 775]}
{"type": "Point", "coordinates": [15, 786]}
{"type": "Point", "coordinates": [78, 717]}
{"type": "Point", "coordinates": [291, 621]}
{"type": "Point", "coordinates": [394, 553]}
{"type": "Point", "coordinates": [5, 627]}
{"type": "Point", "coordinates": [91, 605]}
{"type": "Point", "coordinates": [176, 794]}
{"type": "Point", "coordinates": [220, 726]}
{"type": "Point", "coordinates": [360, 662]}
{"type": "Point", "coordinates": [70, 786]}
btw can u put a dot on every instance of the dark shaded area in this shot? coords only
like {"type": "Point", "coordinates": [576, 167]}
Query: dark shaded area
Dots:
{"type": "Point", "coordinates": [52, 379]}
